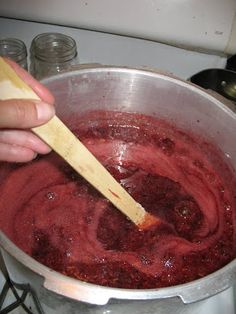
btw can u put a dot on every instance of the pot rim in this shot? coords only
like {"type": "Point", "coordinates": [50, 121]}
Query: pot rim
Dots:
{"type": "Point", "coordinates": [95, 67]}
{"type": "Point", "coordinates": [100, 295]}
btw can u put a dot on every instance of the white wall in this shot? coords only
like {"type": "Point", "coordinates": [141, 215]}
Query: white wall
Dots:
{"type": "Point", "coordinates": [208, 25]}
{"type": "Point", "coordinates": [98, 47]}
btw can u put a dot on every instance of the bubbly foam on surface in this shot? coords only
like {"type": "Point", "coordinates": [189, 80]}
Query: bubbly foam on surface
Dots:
{"type": "Point", "coordinates": [52, 214]}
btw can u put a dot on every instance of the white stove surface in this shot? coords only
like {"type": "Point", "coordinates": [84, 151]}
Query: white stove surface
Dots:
{"type": "Point", "coordinates": [96, 47]}
{"type": "Point", "coordinates": [104, 48]}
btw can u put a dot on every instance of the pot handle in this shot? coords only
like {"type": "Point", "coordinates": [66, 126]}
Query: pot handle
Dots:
{"type": "Point", "coordinates": [202, 289]}
{"type": "Point", "coordinates": [84, 292]}
{"type": "Point", "coordinates": [210, 285]}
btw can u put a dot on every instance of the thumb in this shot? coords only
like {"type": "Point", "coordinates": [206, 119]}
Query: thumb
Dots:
{"type": "Point", "coordinates": [22, 114]}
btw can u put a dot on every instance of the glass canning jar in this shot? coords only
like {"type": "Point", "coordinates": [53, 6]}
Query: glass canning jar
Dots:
{"type": "Point", "coordinates": [14, 49]}
{"type": "Point", "coordinates": [51, 53]}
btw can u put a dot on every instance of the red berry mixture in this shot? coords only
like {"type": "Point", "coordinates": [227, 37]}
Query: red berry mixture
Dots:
{"type": "Point", "coordinates": [52, 214]}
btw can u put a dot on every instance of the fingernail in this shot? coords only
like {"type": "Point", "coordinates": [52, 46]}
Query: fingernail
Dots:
{"type": "Point", "coordinates": [34, 156]}
{"type": "Point", "coordinates": [44, 111]}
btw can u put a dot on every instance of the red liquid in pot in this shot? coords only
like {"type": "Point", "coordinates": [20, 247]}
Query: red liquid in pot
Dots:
{"type": "Point", "coordinates": [52, 214]}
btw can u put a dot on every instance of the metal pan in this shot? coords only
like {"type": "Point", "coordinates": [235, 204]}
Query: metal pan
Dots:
{"type": "Point", "coordinates": [220, 80]}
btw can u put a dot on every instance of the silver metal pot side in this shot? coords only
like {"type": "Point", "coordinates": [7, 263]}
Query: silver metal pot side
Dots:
{"type": "Point", "coordinates": [151, 93]}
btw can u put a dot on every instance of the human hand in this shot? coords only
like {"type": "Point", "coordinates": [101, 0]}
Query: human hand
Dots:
{"type": "Point", "coordinates": [17, 116]}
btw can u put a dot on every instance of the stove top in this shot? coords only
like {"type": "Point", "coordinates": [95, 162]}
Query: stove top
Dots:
{"type": "Point", "coordinates": [18, 299]}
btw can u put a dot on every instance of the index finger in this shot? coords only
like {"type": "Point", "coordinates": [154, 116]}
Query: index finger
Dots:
{"type": "Point", "coordinates": [39, 89]}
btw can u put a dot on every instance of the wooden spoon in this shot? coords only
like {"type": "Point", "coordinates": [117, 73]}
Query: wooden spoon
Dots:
{"type": "Point", "coordinates": [64, 142]}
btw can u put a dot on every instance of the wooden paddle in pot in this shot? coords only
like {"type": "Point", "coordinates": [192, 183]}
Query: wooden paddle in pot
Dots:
{"type": "Point", "coordinates": [56, 134]}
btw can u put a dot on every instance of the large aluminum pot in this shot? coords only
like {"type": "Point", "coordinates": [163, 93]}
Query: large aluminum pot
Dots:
{"type": "Point", "coordinates": [154, 94]}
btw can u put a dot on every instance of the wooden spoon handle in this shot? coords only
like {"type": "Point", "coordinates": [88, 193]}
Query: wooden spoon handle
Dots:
{"type": "Point", "coordinates": [64, 142]}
